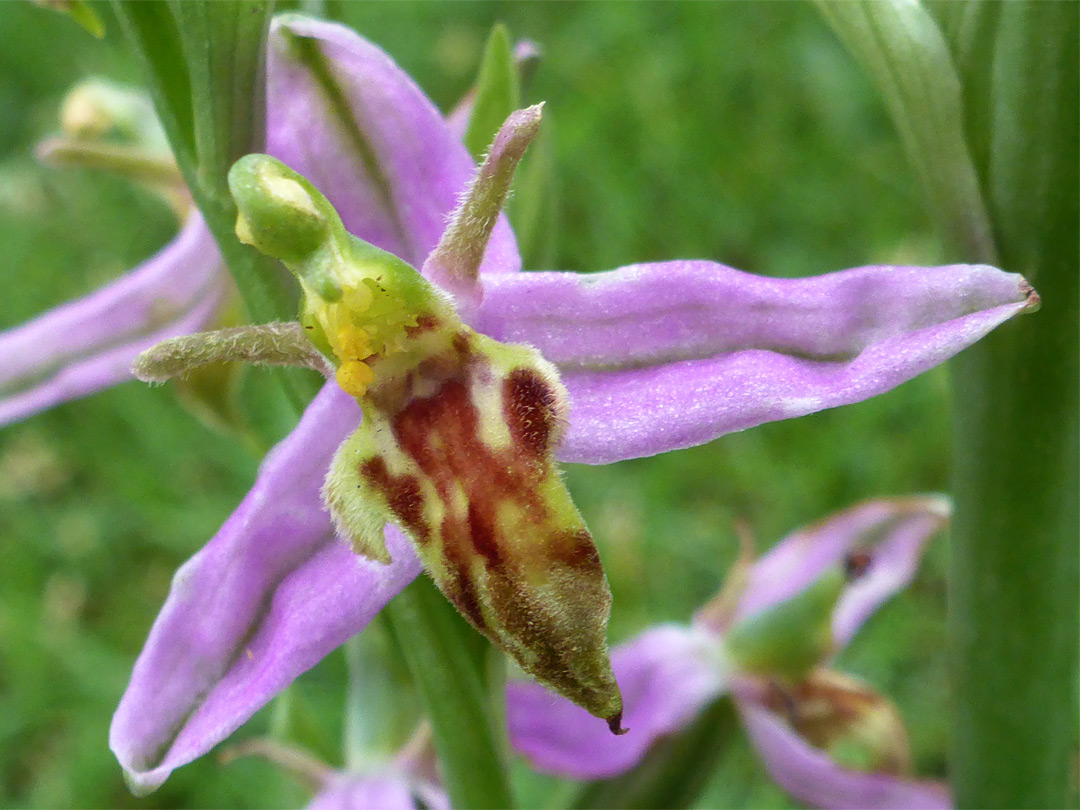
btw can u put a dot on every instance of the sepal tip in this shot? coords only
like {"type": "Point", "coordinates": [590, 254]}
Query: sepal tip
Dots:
{"type": "Point", "coordinates": [1032, 299]}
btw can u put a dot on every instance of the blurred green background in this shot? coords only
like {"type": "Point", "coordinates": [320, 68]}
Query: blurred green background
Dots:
{"type": "Point", "coordinates": [740, 132]}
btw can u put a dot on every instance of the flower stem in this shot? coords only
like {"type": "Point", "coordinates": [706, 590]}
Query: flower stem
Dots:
{"type": "Point", "coordinates": [450, 667]}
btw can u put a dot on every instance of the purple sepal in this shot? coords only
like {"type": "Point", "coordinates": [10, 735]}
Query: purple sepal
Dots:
{"type": "Point", "coordinates": [393, 170]}
{"type": "Point", "coordinates": [88, 344]}
{"type": "Point", "coordinates": [271, 595]}
{"type": "Point", "coordinates": [667, 674]}
{"type": "Point", "coordinates": [813, 777]}
{"type": "Point", "coordinates": [658, 357]}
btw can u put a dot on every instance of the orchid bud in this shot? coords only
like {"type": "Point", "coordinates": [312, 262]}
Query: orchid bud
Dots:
{"type": "Point", "coordinates": [458, 437]}
{"type": "Point", "coordinates": [786, 640]}
{"type": "Point", "coordinates": [112, 128]}
{"type": "Point", "coordinates": [98, 109]}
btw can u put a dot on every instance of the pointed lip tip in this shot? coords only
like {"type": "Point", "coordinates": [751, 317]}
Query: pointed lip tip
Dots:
{"type": "Point", "coordinates": [615, 724]}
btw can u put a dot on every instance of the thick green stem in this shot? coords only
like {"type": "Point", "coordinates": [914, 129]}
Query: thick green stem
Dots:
{"type": "Point", "coordinates": [1014, 595]}
{"type": "Point", "coordinates": [1013, 585]}
{"type": "Point", "coordinates": [152, 33]}
{"type": "Point", "coordinates": [449, 665]}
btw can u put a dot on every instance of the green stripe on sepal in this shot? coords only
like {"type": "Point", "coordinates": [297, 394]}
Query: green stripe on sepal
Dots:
{"type": "Point", "coordinates": [788, 639]}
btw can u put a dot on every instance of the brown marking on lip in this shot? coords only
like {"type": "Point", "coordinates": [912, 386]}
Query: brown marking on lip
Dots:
{"type": "Point", "coordinates": [496, 537]}
{"type": "Point", "coordinates": [482, 531]}
{"type": "Point", "coordinates": [459, 586]}
{"type": "Point", "coordinates": [424, 323]}
{"type": "Point", "coordinates": [530, 621]}
{"type": "Point", "coordinates": [539, 625]}
{"type": "Point", "coordinates": [403, 496]}
{"type": "Point", "coordinates": [462, 344]}
{"type": "Point", "coordinates": [575, 549]}
{"type": "Point", "coordinates": [529, 406]}
{"type": "Point", "coordinates": [441, 434]}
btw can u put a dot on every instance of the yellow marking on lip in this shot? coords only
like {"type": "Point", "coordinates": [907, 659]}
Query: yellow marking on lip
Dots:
{"type": "Point", "coordinates": [354, 377]}
{"type": "Point", "coordinates": [352, 343]}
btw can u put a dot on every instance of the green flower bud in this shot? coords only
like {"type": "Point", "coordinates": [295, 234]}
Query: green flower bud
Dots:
{"type": "Point", "coordinates": [112, 128]}
{"type": "Point", "coordinates": [101, 110]}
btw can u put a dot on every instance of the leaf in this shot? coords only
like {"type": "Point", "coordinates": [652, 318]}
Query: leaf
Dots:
{"type": "Point", "coordinates": [223, 47]}
{"type": "Point", "coordinates": [907, 58]}
{"type": "Point", "coordinates": [152, 32]}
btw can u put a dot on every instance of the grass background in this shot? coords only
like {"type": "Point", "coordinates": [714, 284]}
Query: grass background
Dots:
{"type": "Point", "coordinates": [740, 132]}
